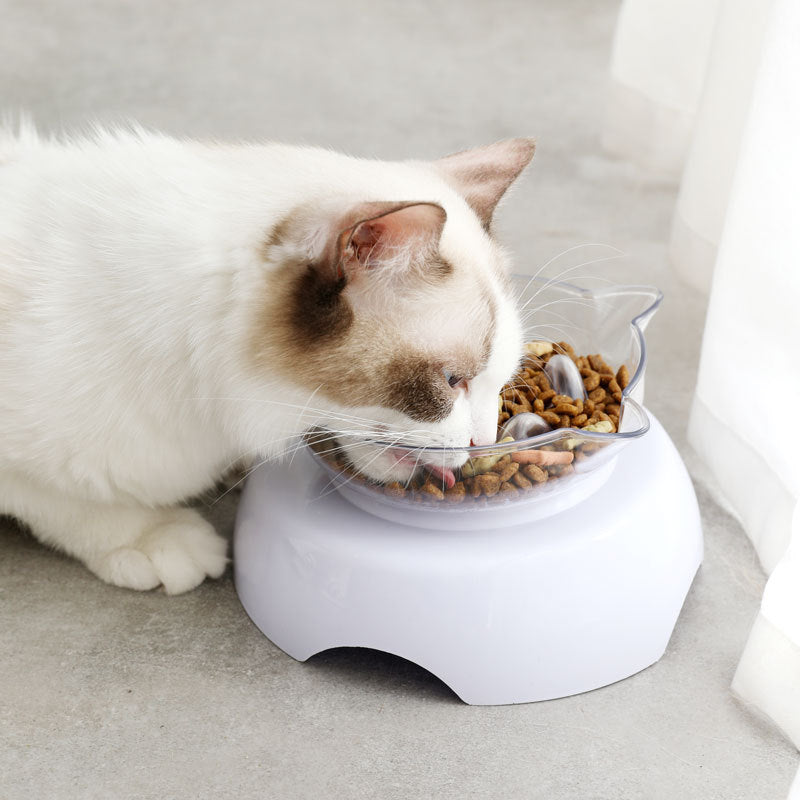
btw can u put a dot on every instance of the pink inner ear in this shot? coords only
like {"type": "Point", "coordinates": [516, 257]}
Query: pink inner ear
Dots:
{"type": "Point", "coordinates": [398, 235]}
{"type": "Point", "coordinates": [482, 175]}
{"type": "Point", "coordinates": [364, 241]}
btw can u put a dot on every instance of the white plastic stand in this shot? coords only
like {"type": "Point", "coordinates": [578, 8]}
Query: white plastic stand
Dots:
{"type": "Point", "coordinates": [530, 612]}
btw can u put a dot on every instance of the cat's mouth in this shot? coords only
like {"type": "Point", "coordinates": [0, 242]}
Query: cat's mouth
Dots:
{"type": "Point", "coordinates": [445, 474]}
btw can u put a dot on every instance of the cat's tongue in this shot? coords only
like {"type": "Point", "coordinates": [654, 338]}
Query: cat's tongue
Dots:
{"type": "Point", "coordinates": [445, 473]}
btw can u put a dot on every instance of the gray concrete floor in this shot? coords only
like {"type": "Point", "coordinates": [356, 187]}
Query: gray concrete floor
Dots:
{"type": "Point", "coordinates": [109, 693]}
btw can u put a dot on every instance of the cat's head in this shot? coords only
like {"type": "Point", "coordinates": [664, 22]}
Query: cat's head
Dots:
{"type": "Point", "coordinates": [394, 316]}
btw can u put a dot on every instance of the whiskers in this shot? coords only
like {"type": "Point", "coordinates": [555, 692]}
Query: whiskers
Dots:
{"type": "Point", "coordinates": [617, 253]}
{"type": "Point", "coordinates": [550, 322]}
{"type": "Point", "coordinates": [335, 433]}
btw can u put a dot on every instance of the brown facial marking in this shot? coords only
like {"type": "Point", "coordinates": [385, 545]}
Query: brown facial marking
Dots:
{"type": "Point", "coordinates": [416, 387]}
{"type": "Point", "coordinates": [310, 333]}
{"type": "Point", "coordinates": [318, 313]}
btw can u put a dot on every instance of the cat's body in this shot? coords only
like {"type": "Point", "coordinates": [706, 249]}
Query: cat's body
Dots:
{"type": "Point", "coordinates": [169, 307]}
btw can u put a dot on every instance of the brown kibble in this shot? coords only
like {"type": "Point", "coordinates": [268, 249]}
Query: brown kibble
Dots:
{"type": "Point", "coordinates": [550, 417]}
{"type": "Point", "coordinates": [566, 347]}
{"type": "Point", "coordinates": [394, 489]}
{"type": "Point", "coordinates": [565, 421]}
{"type": "Point", "coordinates": [546, 395]}
{"type": "Point", "coordinates": [531, 384]}
{"type": "Point", "coordinates": [579, 420]}
{"type": "Point", "coordinates": [623, 377]}
{"type": "Point", "coordinates": [599, 364]}
{"type": "Point", "coordinates": [519, 394]}
{"type": "Point", "coordinates": [591, 381]}
{"type": "Point", "coordinates": [588, 407]}
{"type": "Point", "coordinates": [538, 405]}
{"type": "Point", "coordinates": [561, 398]}
{"type": "Point", "coordinates": [612, 409]}
{"type": "Point", "coordinates": [535, 473]}
{"type": "Point", "coordinates": [456, 493]}
{"type": "Point", "coordinates": [566, 408]}
{"type": "Point", "coordinates": [597, 361]}
{"type": "Point", "coordinates": [432, 490]}
{"type": "Point", "coordinates": [521, 480]}
{"type": "Point", "coordinates": [506, 471]}
{"type": "Point", "coordinates": [598, 395]}
{"type": "Point", "coordinates": [472, 488]}
{"type": "Point", "coordinates": [559, 470]}
{"type": "Point", "coordinates": [489, 483]}
{"type": "Point", "coordinates": [519, 408]}
{"type": "Point", "coordinates": [504, 416]}
{"type": "Point", "coordinates": [613, 386]}
{"type": "Point", "coordinates": [505, 488]}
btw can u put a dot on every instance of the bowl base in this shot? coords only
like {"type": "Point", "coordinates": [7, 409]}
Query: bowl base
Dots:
{"type": "Point", "coordinates": [508, 614]}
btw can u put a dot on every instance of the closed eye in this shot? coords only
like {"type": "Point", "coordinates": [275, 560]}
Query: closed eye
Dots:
{"type": "Point", "coordinates": [454, 380]}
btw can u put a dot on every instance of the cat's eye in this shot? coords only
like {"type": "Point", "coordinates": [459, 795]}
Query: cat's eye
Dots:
{"type": "Point", "coordinates": [453, 380]}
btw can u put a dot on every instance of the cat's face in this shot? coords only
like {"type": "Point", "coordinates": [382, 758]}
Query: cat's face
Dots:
{"type": "Point", "coordinates": [398, 317]}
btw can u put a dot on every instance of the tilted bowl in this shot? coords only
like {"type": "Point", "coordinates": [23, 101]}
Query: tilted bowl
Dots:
{"type": "Point", "coordinates": [610, 321]}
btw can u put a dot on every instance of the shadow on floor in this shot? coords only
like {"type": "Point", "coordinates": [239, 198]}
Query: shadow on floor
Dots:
{"type": "Point", "coordinates": [384, 672]}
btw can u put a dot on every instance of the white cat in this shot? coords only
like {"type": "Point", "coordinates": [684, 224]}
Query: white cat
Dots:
{"type": "Point", "coordinates": [168, 307]}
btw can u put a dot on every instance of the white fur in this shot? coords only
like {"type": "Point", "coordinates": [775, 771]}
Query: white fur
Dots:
{"type": "Point", "coordinates": [129, 268]}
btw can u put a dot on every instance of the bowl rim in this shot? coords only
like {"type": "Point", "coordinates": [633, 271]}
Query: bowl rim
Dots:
{"type": "Point", "coordinates": [637, 325]}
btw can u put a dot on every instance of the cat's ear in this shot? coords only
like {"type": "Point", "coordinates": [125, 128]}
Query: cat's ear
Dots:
{"type": "Point", "coordinates": [482, 175]}
{"type": "Point", "coordinates": [386, 236]}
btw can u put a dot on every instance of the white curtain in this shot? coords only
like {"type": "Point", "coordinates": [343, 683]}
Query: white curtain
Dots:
{"type": "Point", "coordinates": [736, 48]}
{"type": "Point", "coordinates": [794, 792]}
{"type": "Point", "coordinates": [658, 66]}
{"type": "Point", "coordinates": [736, 232]}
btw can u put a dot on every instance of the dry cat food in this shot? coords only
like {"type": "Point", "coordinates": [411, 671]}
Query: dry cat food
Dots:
{"type": "Point", "coordinates": [554, 388]}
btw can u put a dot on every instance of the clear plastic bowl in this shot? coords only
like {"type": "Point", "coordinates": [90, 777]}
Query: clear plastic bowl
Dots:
{"type": "Point", "coordinates": [610, 321]}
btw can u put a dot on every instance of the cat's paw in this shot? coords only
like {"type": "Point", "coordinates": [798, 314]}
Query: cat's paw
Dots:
{"type": "Point", "coordinates": [177, 553]}
{"type": "Point", "coordinates": [184, 551]}
{"type": "Point", "coordinates": [126, 567]}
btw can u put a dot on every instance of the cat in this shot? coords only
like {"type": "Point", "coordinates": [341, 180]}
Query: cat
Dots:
{"type": "Point", "coordinates": [168, 307]}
